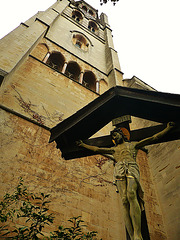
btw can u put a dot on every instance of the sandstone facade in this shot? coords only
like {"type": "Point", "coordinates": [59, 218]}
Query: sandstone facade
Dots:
{"type": "Point", "coordinates": [35, 96]}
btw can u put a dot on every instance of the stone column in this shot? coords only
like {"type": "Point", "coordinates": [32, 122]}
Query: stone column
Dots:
{"type": "Point", "coordinates": [64, 68]}
{"type": "Point", "coordinates": [97, 86]}
{"type": "Point", "coordinates": [81, 77]}
{"type": "Point", "coordinates": [46, 57]}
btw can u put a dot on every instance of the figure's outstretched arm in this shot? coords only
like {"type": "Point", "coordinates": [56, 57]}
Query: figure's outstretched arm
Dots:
{"type": "Point", "coordinates": [94, 148]}
{"type": "Point", "coordinates": [155, 137]}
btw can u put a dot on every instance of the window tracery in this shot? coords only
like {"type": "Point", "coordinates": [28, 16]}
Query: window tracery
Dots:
{"type": "Point", "coordinates": [80, 41]}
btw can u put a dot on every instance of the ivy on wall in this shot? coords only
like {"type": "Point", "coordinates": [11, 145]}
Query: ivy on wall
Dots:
{"type": "Point", "coordinates": [28, 106]}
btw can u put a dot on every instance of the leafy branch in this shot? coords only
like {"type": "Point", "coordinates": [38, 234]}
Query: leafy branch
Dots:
{"type": "Point", "coordinates": [24, 205]}
{"type": "Point", "coordinates": [32, 210]}
{"type": "Point", "coordinates": [74, 232]}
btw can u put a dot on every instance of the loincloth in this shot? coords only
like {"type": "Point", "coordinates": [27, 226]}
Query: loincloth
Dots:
{"type": "Point", "coordinates": [123, 170]}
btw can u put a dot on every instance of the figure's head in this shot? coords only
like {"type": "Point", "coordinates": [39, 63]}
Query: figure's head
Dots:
{"type": "Point", "coordinates": [119, 135]}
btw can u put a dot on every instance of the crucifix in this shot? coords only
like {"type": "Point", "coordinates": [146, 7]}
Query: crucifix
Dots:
{"type": "Point", "coordinates": [119, 146]}
{"type": "Point", "coordinates": [126, 173]}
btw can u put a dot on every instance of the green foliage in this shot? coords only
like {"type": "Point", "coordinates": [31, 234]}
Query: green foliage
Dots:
{"type": "Point", "coordinates": [28, 207]}
{"type": "Point", "coordinates": [74, 232]}
{"type": "Point", "coordinates": [32, 212]}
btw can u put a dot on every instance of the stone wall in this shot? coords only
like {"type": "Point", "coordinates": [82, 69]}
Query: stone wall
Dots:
{"type": "Point", "coordinates": [152, 207]}
{"type": "Point", "coordinates": [78, 187]}
{"type": "Point", "coordinates": [164, 167]}
{"type": "Point", "coordinates": [50, 94]}
{"type": "Point", "coordinates": [37, 92]}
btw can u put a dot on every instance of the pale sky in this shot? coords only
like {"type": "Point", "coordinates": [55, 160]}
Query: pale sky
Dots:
{"type": "Point", "coordinates": [145, 32]}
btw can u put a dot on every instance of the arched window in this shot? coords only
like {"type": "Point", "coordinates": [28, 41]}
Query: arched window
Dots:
{"type": "Point", "coordinates": [89, 80]}
{"type": "Point", "coordinates": [84, 8]}
{"type": "Point", "coordinates": [77, 16]}
{"type": "Point", "coordinates": [73, 70]}
{"type": "Point", "coordinates": [92, 27]}
{"type": "Point", "coordinates": [56, 60]}
{"type": "Point", "coordinates": [80, 41]}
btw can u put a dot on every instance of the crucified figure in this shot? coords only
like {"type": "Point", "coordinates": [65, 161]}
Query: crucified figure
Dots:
{"type": "Point", "coordinates": [126, 174]}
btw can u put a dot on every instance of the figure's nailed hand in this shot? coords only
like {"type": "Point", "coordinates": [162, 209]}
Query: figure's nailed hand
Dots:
{"type": "Point", "coordinates": [79, 143]}
{"type": "Point", "coordinates": [171, 125]}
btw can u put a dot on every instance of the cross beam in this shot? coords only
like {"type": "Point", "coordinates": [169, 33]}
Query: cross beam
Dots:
{"type": "Point", "coordinates": [116, 102]}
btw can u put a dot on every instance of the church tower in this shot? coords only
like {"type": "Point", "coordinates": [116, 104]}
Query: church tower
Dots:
{"type": "Point", "coordinates": [51, 66]}
{"type": "Point", "coordinates": [67, 58]}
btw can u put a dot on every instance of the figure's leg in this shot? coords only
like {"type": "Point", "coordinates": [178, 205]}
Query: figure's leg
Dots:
{"type": "Point", "coordinates": [135, 211]}
{"type": "Point", "coordinates": [122, 188]}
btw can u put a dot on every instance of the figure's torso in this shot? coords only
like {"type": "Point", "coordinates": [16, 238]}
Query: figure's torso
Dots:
{"type": "Point", "coordinates": [125, 151]}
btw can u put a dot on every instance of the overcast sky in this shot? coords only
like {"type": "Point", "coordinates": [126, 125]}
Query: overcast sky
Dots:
{"type": "Point", "coordinates": [146, 35]}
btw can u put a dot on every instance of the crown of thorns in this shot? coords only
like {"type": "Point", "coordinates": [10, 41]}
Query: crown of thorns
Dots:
{"type": "Point", "coordinates": [123, 133]}
{"type": "Point", "coordinates": [118, 130]}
